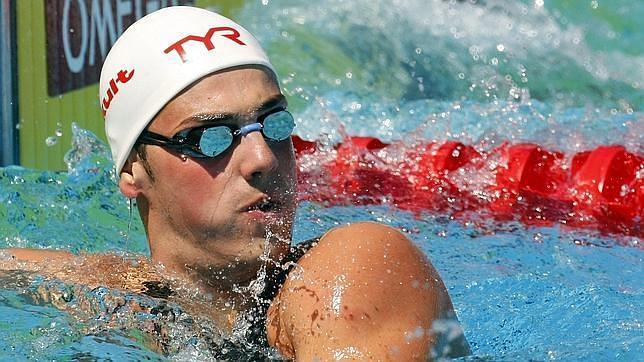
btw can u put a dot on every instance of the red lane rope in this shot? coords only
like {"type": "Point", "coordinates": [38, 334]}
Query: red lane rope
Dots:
{"type": "Point", "coordinates": [600, 189]}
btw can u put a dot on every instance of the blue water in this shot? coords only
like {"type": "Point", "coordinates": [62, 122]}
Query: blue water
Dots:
{"type": "Point", "coordinates": [567, 75]}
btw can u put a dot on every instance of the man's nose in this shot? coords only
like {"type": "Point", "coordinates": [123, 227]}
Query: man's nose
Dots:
{"type": "Point", "coordinates": [257, 159]}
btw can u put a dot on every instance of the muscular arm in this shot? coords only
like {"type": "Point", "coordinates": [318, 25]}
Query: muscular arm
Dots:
{"type": "Point", "coordinates": [365, 292]}
{"type": "Point", "coordinates": [110, 270]}
{"type": "Point", "coordinates": [38, 255]}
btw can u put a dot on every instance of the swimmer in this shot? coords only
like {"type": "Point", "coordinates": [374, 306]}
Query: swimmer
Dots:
{"type": "Point", "coordinates": [200, 136]}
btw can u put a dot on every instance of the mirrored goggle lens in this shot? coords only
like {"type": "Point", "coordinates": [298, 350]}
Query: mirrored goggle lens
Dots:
{"type": "Point", "coordinates": [278, 126]}
{"type": "Point", "coordinates": [214, 141]}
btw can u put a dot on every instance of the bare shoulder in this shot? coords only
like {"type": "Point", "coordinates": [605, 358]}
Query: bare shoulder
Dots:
{"type": "Point", "coordinates": [363, 240]}
{"type": "Point", "coordinates": [365, 291]}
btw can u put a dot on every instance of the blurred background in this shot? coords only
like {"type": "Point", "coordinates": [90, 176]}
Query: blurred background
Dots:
{"type": "Point", "coordinates": [567, 54]}
{"type": "Point", "coordinates": [51, 53]}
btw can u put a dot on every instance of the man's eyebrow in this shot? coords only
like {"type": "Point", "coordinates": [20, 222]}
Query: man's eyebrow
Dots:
{"type": "Point", "coordinates": [268, 104]}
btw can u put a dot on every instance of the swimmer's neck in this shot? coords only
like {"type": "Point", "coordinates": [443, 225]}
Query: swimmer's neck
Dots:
{"type": "Point", "coordinates": [220, 271]}
{"type": "Point", "coordinates": [229, 292]}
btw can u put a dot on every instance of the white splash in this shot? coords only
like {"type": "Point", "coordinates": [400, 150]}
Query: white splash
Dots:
{"type": "Point", "coordinates": [338, 290]}
{"type": "Point", "coordinates": [347, 353]}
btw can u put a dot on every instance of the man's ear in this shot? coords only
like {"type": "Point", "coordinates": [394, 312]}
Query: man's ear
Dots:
{"type": "Point", "coordinates": [128, 183]}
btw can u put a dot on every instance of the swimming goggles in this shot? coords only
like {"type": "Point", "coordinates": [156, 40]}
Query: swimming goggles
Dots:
{"type": "Point", "coordinates": [213, 140]}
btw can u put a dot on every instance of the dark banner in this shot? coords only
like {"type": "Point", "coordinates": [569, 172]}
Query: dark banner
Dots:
{"type": "Point", "coordinates": [81, 32]}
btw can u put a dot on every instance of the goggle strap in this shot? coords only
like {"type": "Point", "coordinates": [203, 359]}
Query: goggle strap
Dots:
{"type": "Point", "coordinates": [156, 139]}
{"type": "Point", "coordinates": [253, 127]}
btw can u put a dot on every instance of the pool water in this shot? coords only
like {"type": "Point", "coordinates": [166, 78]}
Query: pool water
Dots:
{"type": "Point", "coordinates": [565, 75]}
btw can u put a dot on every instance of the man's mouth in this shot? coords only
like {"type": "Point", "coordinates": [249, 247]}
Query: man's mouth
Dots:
{"type": "Point", "coordinates": [265, 205]}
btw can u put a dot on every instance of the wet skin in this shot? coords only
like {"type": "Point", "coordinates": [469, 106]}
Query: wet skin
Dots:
{"type": "Point", "coordinates": [196, 211]}
{"type": "Point", "coordinates": [364, 292]}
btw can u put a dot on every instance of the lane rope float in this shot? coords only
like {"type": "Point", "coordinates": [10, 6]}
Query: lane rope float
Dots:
{"type": "Point", "coordinates": [601, 189]}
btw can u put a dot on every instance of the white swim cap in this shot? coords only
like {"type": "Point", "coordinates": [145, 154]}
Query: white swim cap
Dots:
{"type": "Point", "coordinates": [159, 56]}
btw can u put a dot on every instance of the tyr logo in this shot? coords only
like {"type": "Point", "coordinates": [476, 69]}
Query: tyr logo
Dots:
{"type": "Point", "coordinates": [121, 77]}
{"type": "Point", "coordinates": [206, 40]}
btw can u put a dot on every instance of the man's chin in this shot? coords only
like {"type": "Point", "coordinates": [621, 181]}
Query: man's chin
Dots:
{"type": "Point", "coordinates": [238, 261]}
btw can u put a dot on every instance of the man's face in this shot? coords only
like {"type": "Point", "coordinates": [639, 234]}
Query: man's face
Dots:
{"type": "Point", "coordinates": [214, 216]}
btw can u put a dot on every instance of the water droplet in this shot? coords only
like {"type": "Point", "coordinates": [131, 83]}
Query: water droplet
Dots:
{"type": "Point", "coordinates": [538, 237]}
{"type": "Point", "coordinates": [51, 141]}
{"type": "Point", "coordinates": [594, 4]}
{"type": "Point", "coordinates": [500, 47]}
